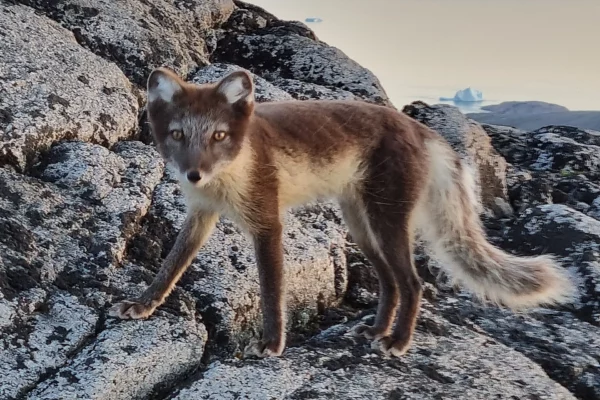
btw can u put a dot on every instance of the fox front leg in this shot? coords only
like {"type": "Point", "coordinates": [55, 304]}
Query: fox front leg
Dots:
{"type": "Point", "coordinates": [269, 256]}
{"type": "Point", "coordinates": [194, 233]}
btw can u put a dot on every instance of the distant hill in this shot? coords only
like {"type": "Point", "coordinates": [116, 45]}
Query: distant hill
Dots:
{"type": "Point", "coordinates": [531, 115]}
{"type": "Point", "coordinates": [524, 107]}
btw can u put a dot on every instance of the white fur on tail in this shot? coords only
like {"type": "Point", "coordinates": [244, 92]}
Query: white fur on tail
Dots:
{"type": "Point", "coordinates": [449, 221]}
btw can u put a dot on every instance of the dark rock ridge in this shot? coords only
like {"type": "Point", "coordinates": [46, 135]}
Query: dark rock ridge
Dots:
{"type": "Point", "coordinates": [87, 211]}
{"type": "Point", "coordinates": [290, 55]}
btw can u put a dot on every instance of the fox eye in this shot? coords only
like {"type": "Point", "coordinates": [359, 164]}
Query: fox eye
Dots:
{"type": "Point", "coordinates": [219, 135]}
{"type": "Point", "coordinates": [177, 134]}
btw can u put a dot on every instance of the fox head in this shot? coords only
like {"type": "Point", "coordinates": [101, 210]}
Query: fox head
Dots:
{"type": "Point", "coordinates": [199, 129]}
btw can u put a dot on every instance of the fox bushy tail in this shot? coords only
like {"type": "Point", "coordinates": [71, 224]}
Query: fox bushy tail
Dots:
{"type": "Point", "coordinates": [449, 221]}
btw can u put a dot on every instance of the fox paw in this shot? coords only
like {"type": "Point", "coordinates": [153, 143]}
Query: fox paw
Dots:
{"type": "Point", "coordinates": [132, 309]}
{"type": "Point", "coordinates": [264, 348]}
{"type": "Point", "coordinates": [369, 332]}
{"type": "Point", "coordinates": [390, 346]}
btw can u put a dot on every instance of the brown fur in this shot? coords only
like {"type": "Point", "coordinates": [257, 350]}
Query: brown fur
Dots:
{"type": "Point", "coordinates": [390, 174]}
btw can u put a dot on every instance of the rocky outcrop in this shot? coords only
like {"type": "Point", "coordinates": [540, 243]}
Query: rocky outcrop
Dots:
{"type": "Point", "coordinates": [551, 165]}
{"type": "Point", "coordinates": [52, 89]}
{"type": "Point", "coordinates": [142, 35]}
{"type": "Point", "coordinates": [264, 90]}
{"type": "Point", "coordinates": [472, 143]}
{"type": "Point", "coordinates": [64, 235]}
{"type": "Point", "coordinates": [158, 352]}
{"type": "Point", "coordinates": [87, 212]}
{"type": "Point", "coordinates": [289, 55]}
{"type": "Point", "coordinates": [334, 365]}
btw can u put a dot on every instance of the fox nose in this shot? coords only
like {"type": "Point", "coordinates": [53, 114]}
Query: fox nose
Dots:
{"type": "Point", "coordinates": [193, 176]}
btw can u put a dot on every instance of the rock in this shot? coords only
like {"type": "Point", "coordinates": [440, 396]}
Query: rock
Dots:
{"type": "Point", "coordinates": [61, 244]}
{"type": "Point", "coordinates": [570, 235]}
{"type": "Point", "coordinates": [122, 181]}
{"type": "Point", "coordinates": [279, 52]}
{"type": "Point", "coordinates": [43, 102]}
{"type": "Point", "coordinates": [594, 210]}
{"type": "Point", "coordinates": [300, 58]}
{"type": "Point", "coordinates": [264, 90]}
{"type": "Point", "coordinates": [581, 136]}
{"type": "Point", "coordinates": [561, 153]}
{"type": "Point", "coordinates": [41, 338]}
{"type": "Point", "coordinates": [472, 143]}
{"type": "Point", "coordinates": [363, 284]}
{"type": "Point", "coordinates": [130, 360]}
{"type": "Point", "coordinates": [566, 348]}
{"type": "Point", "coordinates": [249, 18]}
{"type": "Point", "coordinates": [564, 150]}
{"type": "Point", "coordinates": [276, 90]}
{"type": "Point", "coordinates": [142, 35]}
{"type": "Point", "coordinates": [43, 232]}
{"type": "Point", "coordinates": [306, 91]}
{"type": "Point", "coordinates": [551, 165]}
{"type": "Point", "coordinates": [441, 364]}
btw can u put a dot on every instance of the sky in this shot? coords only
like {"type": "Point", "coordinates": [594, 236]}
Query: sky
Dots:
{"type": "Point", "coordinates": [546, 50]}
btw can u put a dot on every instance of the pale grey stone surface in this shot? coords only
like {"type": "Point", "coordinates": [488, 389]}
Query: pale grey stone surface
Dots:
{"type": "Point", "coordinates": [141, 35]}
{"type": "Point", "coordinates": [128, 360]}
{"type": "Point", "coordinates": [447, 362]}
{"type": "Point", "coordinates": [60, 250]}
{"type": "Point", "coordinates": [53, 89]}
{"type": "Point", "coordinates": [39, 341]}
{"type": "Point", "coordinates": [264, 90]}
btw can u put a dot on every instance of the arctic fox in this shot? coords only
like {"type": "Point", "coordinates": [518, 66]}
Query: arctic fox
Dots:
{"type": "Point", "coordinates": [391, 175]}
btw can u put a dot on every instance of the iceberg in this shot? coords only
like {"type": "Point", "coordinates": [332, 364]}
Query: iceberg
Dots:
{"type": "Point", "coordinates": [467, 95]}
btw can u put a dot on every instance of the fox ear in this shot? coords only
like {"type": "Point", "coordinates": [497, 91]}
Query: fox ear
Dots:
{"type": "Point", "coordinates": [237, 87]}
{"type": "Point", "coordinates": [163, 84]}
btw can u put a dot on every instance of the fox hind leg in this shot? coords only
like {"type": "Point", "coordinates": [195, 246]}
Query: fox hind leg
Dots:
{"type": "Point", "coordinates": [389, 195]}
{"type": "Point", "coordinates": [393, 233]}
{"type": "Point", "coordinates": [398, 253]}
{"type": "Point", "coordinates": [356, 219]}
